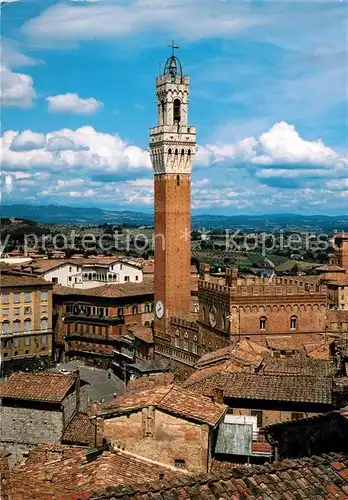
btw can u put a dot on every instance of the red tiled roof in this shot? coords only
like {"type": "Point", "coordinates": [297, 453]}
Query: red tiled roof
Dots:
{"type": "Point", "coordinates": [152, 380]}
{"type": "Point", "coordinates": [43, 386]}
{"type": "Point", "coordinates": [113, 290]}
{"type": "Point", "coordinates": [142, 332]}
{"type": "Point", "coordinates": [60, 472]}
{"type": "Point", "coordinates": [275, 387]}
{"type": "Point", "coordinates": [9, 280]}
{"type": "Point", "coordinates": [80, 430]}
{"type": "Point", "coordinates": [172, 399]}
{"type": "Point", "coordinates": [298, 365]}
{"type": "Point", "coordinates": [320, 478]}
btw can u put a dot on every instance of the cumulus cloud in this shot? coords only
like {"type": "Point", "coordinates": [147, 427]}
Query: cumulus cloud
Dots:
{"type": "Point", "coordinates": [28, 141]}
{"type": "Point", "coordinates": [73, 104]}
{"type": "Point", "coordinates": [84, 164]}
{"type": "Point", "coordinates": [16, 88]}
{"type": "Point", "coordinates": [81, 149]}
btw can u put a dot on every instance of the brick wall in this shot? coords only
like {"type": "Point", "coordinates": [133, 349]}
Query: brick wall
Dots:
{"type": "Point", "coordinates": [161, 437]}
{"type": "Point", "coordinates": [172, 245]}
{"type": "Point", "coordinates": [270, 417]}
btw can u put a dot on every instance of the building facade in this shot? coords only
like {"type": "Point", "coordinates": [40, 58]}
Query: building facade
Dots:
{"type": "Point", "coordinates": [26, 321]}
{"type": "Point", "coordinates": [172, 149]}
{"type": "Point", "coordinates": [89, 323]}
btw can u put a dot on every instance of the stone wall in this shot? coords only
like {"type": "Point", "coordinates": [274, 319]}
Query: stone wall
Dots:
{"type": "Point", "coordinates": [162, 437]}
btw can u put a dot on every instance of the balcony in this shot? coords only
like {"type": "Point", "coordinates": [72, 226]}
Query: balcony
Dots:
{"type": "Point", "coordinates": [23, 333]}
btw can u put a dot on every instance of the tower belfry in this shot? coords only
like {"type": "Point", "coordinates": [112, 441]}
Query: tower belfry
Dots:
{"type": "Point", "coordinates": [172, 150]}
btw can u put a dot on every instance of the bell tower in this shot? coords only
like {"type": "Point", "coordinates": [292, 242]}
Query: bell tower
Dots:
{"type": "Point", "coordinates": [172, 150]}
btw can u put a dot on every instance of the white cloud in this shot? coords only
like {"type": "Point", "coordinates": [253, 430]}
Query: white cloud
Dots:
{"type": "Point", "coordinates": [73, 104]}
{"type": "Point", "coordinates": [16, 88]}
{"type": "Point", "coordinates": [103, 20]}
{"type": "Point", "coordinates": [28, 141]}
{"type": "Point", "coordinates": [81, 149]}
{"type": "Point", "coordinates": [83, 165]}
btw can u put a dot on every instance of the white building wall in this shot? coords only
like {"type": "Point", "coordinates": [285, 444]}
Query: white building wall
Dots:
{"type": "Point", "coordinates": [63, 273]}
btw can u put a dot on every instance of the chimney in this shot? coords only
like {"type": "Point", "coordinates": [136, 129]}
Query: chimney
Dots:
{"type": "Point", "coordinates": [204, 271]}
{"type": "Point", "coordinates": [218, 395]}
{"type": "Point", "coordinates": [99, 431]}
{"type": "Point", "coordinates": [77, 389]}
{"type": "Point", "coordinates": [231, 275]}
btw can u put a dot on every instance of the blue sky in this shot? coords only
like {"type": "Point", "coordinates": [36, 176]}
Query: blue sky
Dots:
{"type": "Point", "coordinates": [268, 98]}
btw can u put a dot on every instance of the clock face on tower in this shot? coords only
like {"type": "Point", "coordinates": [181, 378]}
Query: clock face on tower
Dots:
{"type": "Point", "coordinates": [212, 317]}
{"type": "Point", "coordinates": [159, 309]}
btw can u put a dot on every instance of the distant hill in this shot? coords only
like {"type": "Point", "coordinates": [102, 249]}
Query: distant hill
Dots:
{"type": "Point", "coordinates": [56, 214]}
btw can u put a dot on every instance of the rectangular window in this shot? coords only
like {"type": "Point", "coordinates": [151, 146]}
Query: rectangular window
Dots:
{"type": "Point", "coordinates": [16, 342]}
{"type": "Point", "coordinates": [54, 279]}
{"type": "Point", "coordinates": [180, 463]}
{"type": "Point", "coordinates": [16, 326]}
{"type": "Point", "coordinates": [185, 345]}
{"type": "Point", "coordinates": [44, 309]}
{"type": "Point", "coordinates": [27, 341]}
{"type": "Point", "coordinates": [5, 312]}
{"type": "Point", "coordinates": [194, 348]}
{"type": "Point", "coordinates": [27, 297]}
{"type": "Point", "coordinates": [69, 278]}
{"type": "Point", "coordinates": [17, 311]}
{"type": "Point", "coordinates": [44, 340]}
{"type": "Point", "coordinates": [126, 278]}
{"type": "Point", "coordinates": [16, 298]}
{"type": "Point", "coordinates": [44, 296]}
{"type": "Point", "coordinates": [296, 416]}
{"type": "Point", "coordinates": [27, 310]}
{"type": "Point", "coordinates": [120, 311]}
{"type": "Point", "coordinates": [5, 298]}
{"type": "Point", "coordinates": [258, 415]}
{"type": "Point", "coordinates": [106, 312]}
{"type": "Point", "coordinates": [136, 278]}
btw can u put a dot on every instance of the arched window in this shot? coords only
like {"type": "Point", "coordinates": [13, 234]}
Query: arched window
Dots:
{"type": "Point", "coordinates": [6, 327]}
{"type": "Point", "coordinates": [189, 152]}
{"type": "Point", "coordinates": [169, 151]}
{"type": "Point", "coordinates": [16, 325]}
{"type": "Point", "coordinates": [182, 152]}
{"type": "Point", "coordinates": [293, 323]}
{"type": "Point", "coordinates": [178, 180]}
{"type": "Point", "coordinates": [177, 110]}
{"type": "Point", "coordinates": [263, 323]}
{"type": "Point", "coordinates": [27, 325]}
{"type": "Point", "coordinates": [176, 152]}
{"type": "Point", "coordinates": [44, 323]}
{"type": "Point", "coordinates": [162, 111]}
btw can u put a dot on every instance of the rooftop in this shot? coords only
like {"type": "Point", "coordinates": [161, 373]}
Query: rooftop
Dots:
{"type": "Point", "coordinates": [11, 280]}
{"type": "Point", "coordinates": [320, 478]}
{"type": "Point", "coordinates": [298, 365]}
{"type": "Point", "coordinates": [275, 387]}
{"type": "Point", "coordinates": [152, 380]}
{"type": "Point", "coordinates": [171, 399]}
{"type": "Point", "coordinates": [113, 290]}
{"type": "Point", "coordinates": [80, 431]}
{"type": "Point", "coordinates": [42, 386]}
{"type": "Point", "coordinates": [58, 471]}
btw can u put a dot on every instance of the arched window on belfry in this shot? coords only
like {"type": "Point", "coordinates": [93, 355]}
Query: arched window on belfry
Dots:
{"type": "Point", "coordinates": [177, 110]}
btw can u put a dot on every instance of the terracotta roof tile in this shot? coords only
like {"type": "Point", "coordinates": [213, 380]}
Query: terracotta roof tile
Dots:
{"type": "Point", "coordinates": [80, 430]}
{"type": "Point", "coordinates": [146, 382]}
{"type": "Point", "coordinates": [298, 365]}
{"type": "Point", "coordinates": [276, 387]}
{"type": "Point", "coordinates": [43, 386]}
{"type": "Point", "coordinates": [172, 399]}
{"type": "Point", "coordinates": [309, 478]}
{"type": "Point", "coordinates": [62, 472]}
{"type": "Point", "coordinates": [129, 289]}
{"type": "Point", "coordinates": [141, 332]}
{"type": "Point", "coordinates": [9, 280]}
